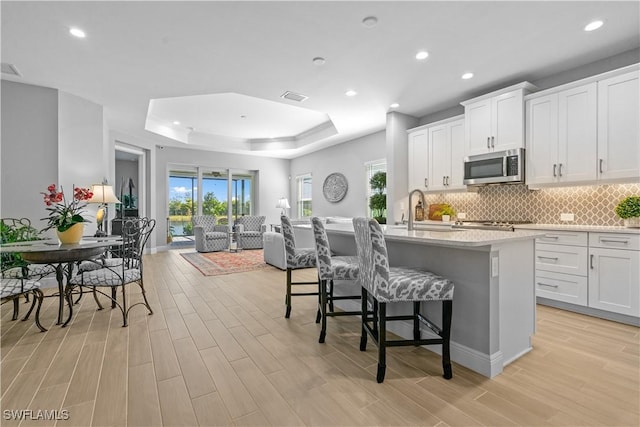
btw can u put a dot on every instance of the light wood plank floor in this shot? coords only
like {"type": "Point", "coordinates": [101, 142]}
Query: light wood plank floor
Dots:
{"type": "Point", "coordinates": [218, 351]}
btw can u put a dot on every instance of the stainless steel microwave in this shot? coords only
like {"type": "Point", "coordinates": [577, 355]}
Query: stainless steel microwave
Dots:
{"type": "Point", "coordinates": [499, 167]}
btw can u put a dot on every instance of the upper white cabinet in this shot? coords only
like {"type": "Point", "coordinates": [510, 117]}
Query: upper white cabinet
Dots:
{"type": "Point", "coordinates": [436, 156]}
{"type": "Point", "coordinates": [446, 155]}
{"type": "Point", "coordinates": [418, 158]}
{"type": "Point", "coordinates": [561, 136]}
{"type": "Point", "coordinates": [495, 121]}
{"type": "Point", "coordinates": [619, 127]}
{"type": "Point", "coordinates": [584, 132]}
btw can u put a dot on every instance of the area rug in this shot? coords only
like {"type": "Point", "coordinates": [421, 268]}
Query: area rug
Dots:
{"type": "Point", "coordinates": [217, 263]}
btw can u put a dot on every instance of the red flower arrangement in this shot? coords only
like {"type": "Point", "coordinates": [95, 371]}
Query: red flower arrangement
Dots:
{"type": "Point", "coordinates": [63, 215]}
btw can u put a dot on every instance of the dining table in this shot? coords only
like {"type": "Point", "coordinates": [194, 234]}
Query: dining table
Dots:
{"type": "Point", "coordinates": [63, 258]}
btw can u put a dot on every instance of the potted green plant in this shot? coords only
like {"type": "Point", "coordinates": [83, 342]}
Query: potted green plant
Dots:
{"type": "Point", "coordinates": [629, 210]}
{"type": "Point", "coordinates": [378, 201]}
{"type": "Point", "coordinates": [446, 212]}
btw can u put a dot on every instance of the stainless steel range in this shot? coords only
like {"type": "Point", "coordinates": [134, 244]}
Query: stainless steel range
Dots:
{"type": "Point", "coordinates": [489, 225]}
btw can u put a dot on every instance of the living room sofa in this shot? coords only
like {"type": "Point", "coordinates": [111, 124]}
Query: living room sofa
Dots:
{"type": "Point", "coordinates": [273, 242]}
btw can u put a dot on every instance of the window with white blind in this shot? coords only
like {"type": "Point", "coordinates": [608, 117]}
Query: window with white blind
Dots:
{"type": "Point", "coordinates": [370, 169]}
{"type": "Point", "coordinates": [303, 186]}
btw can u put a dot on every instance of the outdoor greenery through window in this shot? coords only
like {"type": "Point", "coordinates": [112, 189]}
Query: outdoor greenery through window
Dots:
{"type": "Point", "coordinates": [371, 168]}
{"type": "Point", "coordinates": [215, 197]}
{"type": "Point", "coordinates": [303, 186]}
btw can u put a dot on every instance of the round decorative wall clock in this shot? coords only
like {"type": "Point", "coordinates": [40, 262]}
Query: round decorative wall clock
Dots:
{"type": "Point", "coordinates": [335, 187]}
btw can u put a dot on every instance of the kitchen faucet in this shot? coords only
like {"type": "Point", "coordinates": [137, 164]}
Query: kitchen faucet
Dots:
{"type": "Point", "coordinates": [410, 223]}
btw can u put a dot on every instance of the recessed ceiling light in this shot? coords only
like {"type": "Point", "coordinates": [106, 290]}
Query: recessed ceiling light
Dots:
{"type": "Point", "coordinates": [394, 105]}
{"type": "Point", "coordinates": [370, 21]}
{"type": "Point", "coordinates": [467, 76]}
{"type": "Point", "coordinates": [318, 60]}
{"type": "Point", "coordinates": [593, 25]}
{"type": "Point", "coordinates": [351, 92]}
{"type": "Point", "coordinates": [176, 122]}
{"type": "Point", "coordinates": [77, 32]}
{"type": "Point", "coordinates": [423, 54]}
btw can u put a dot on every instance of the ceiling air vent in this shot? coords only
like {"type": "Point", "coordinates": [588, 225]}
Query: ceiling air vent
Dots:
{"type": "Point", "coordinates": [10, 69]}
{"type": "Point", "coordinates": [293, 96]}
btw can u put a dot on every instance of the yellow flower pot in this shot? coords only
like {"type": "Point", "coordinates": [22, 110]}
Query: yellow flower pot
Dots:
{"type": "Point", "coordinates": [72, 235]}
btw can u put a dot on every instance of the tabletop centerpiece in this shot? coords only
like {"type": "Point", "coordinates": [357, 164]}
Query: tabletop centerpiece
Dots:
{"type": "Point", "coordinates": [66, 215]}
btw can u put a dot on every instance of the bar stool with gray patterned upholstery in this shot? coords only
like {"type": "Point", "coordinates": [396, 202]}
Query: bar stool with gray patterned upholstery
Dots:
{"type": "Point", "coordinates": [398, 284]}
{"type": "Point", "coordinates": [331, 268]}
{"type": "Point", "coordinates": [297, 258]}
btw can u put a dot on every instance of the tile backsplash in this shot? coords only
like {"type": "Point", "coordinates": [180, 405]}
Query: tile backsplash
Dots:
{"type": "Point", "coordinates": [591, 205]}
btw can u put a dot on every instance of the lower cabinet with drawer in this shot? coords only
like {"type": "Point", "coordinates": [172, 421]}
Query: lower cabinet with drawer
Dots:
{"type": "Point", "coordinates": [594, 270]}
{"type": "Point", "coordinates": [614, 273]}
{"type": "Point", "coordinates": [561, 267]}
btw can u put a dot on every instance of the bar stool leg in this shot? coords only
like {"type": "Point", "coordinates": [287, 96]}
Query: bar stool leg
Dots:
{"type": "Point", "coordinates": [447, 309]}
{"type": "Point", "coordinates": [382, 336]}
{"type": "Point", "coordinates": [364, 315]}
{"type": "Point", "coordinates": [416, 321]}
{"type": "Point", "coordinates": [287, 299]}
{"type": "Point", "coordinates": [323, 308]}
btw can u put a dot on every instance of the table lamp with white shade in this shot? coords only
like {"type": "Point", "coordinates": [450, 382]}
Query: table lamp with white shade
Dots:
{"type": "Point", "coordinates": [283, 204]}
{"type": "Point", "coordinates": [103, 194]}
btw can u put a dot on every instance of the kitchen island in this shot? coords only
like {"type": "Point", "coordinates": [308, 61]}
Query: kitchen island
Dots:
{"type": "Point", "coordinates": [494, 298]}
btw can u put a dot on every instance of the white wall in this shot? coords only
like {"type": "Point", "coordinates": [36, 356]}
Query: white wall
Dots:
{"type": "Point", "coordinates": [271, 183]}
{"type": "Point", "coordinates": [81, 155]}
{"type": "Point", "coordinates": [397, 143]}
{"type": "Point", "coordinates": [29, 149]}
{"type": "Point", "coordinates": [48, 137]}
{"type": "Point", "coordinates": [348, 159]}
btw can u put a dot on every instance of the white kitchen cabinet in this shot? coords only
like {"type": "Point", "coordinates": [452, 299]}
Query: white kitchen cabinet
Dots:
{"type": "Point", "coordinates": [585, 132]}
{"type": "Point", "coordinates": [446, 156]}
{"type": "Point", "coordinates": [495, 122]}
{"type": "Point", "coordinates": [614, 280]}
{"type": "Point", "coordinates": [541, 139]}
{"type": "Point", "coordinates": [619, 128]}
{"type": "Point", "coordinates": [418, 160]}
{"type": "Point", "coordinates": [562, 287]}
{"type": "Point", "coordinates": [577, 134]}
{"type": "Point", "coordinates": [595, 270]}
{"type": "Point", "coordinates": [614, 272]}
{"type": "Point", "coordinates": [561, 136]}
{"type": "Point", "coordinates": [436, 156]}
{"type": "Point", "coordinates": [561, 266]}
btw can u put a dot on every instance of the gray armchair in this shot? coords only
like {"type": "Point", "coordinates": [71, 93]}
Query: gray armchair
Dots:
{"type": "Point", "coordinates": [209, 236]}
{"type": "Point", "coordinates": [249, 231]}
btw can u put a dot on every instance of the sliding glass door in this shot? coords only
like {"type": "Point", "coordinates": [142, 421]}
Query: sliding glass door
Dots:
{"type": "Point", "coordinates": [183, 200]}
{"type": "Point", "coordinates": [207, 191]}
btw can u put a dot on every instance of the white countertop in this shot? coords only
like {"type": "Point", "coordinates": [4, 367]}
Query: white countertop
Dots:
{"type": "Point", "coordinates": [575, 227]}
{"type": "Point", "coordinates": [441, 236]}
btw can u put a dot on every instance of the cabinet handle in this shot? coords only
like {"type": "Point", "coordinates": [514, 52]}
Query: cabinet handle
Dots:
{"type": "Point", "coordinates": [551, 237]}
{"type": "Point", "coordinates": [624, 242]}
{"type": "Point", "coordinates": [560, 169]}
{"type": "Point", "coordinates": [548, 257]}
{"type": "Point", "coordinates": [448, 179]}
{"type": "Point", "coordinates": [546, 284]}
{"type": "Point", "coordinates": [554, 169]}
{"type": "Point", "coordinates": [601, 162]}
{"type": "Point", "coordinates": [444, 180]}
{"type": "Point", "coordinates": [426, 183]}
{"type": "Point", "coordinates": [488, 144]}
{"type": "Point", "coordinates": [492, 142]}
{"type": "Point", "coordinates": [591, 257]}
